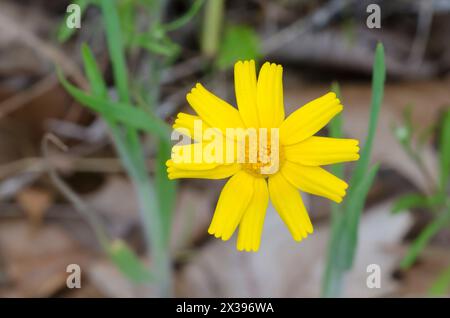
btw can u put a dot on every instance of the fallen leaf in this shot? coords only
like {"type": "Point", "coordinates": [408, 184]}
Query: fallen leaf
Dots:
{"type": "Point", "coordinates": [284, 268]}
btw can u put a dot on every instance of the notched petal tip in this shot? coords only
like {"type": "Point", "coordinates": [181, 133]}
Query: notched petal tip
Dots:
{"type": "Point", "coordinates": [246, 248]}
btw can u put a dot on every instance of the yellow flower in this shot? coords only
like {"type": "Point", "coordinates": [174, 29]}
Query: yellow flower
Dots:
{"type": "Point", "coordinates": [245, 197]}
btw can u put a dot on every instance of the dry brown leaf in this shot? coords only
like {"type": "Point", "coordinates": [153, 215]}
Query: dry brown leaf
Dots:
{"type": "Point", "coordinates": [284, 268]}
{"type": "Point", "coordinates": [36, 261]}
{"type": "Point", "coordinates": [35, 203]}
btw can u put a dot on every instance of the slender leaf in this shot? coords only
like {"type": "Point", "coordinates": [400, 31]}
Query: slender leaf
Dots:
{"type": "Point", "coordinates": [441, 287]}
{"type": "Point", "coordinates": [344, 238]}
{"type": "Point", "coordinates": [444, 153]}
{"type": "Point", "coordinates": [93, 73]}
{"type": "Point", "coordinates": [424, 237]}
{"type": "Point", "coordinates": [378, 78]}
{"type": "Point", "coordinates": [115, 48]}
{"type": "Point", "coordinates": [408, 201]}
{"type": "Point", "coordinates": [165, 188]}
{"type": "Point", "coordinates": [120, 112]}
{"type": "Point", "coordinates": [156, 46]}
{"type": "Point", "coordinates": [128, 262]}
{"type": "Point", "coordinates": [353, 209]}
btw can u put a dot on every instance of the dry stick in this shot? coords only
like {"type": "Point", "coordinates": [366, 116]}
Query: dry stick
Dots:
{"type": "Point", "coordinates": [317, 19]}
{"type": "Point", "coordinates": [89, 216]}
{"type": "Point", "coordinates": [38, 165]}
{"type": "Point", "coordinates": [46, 50]}
{"type": "Point", "coordinates": [43, 48]}
{"type": "Point", "coordinates": [18, 100]}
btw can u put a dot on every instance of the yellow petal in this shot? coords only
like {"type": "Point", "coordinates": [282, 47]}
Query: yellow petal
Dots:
{"type": "Point", "coordinates": [190, 157]}
{"type": "Point", "coordinates": [218, 172]}
{"type": "Point", "coordinates": [317, 151]}
{"type": "Point", "coordinates": [314, 180]}
{"type": "Point", "coordinates": [186, 123]}
{"type": "Point", "coordinates": [289, 205]}
{"type": "Point", "coordinates": [309, 119]}
{"type": "Point", "coordinates": [252, 222]}
{"type": "Point", "coordinates": [213, 110]}
{"type": "Point", "coordinates": [245, 88]}
{"type": "Point", "coordinates": [270, 95]}
{"type": "Point", "coordinates": [233, 202]}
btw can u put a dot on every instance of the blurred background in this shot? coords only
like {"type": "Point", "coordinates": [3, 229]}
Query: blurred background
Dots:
{"type": "Point", "coordinates": [169, 46]}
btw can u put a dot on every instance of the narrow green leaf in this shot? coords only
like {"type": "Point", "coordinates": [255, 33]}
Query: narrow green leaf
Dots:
{"type": "Point", "coordinates": [441, 287]}
{"type": "Point", "coordinates": [444, 152]}
{"type": "Point", "coordinates": [93, 73]}
{"type": "Point", "coordinates": [353, 209]}
{"type": "Point", "coordinates": [409, 201]}
{"type": "Point", "coordinates": [115, 48]}
{"type": "Point", "coordinates": [343, 240]}
{"type": "Point", "coordinates": [64, 32]}
{"type": "Point", "coordinates": [239, 43]}
{"type": "Point", "coordinates": [155, 46]}
{"type": "Point", "coordinates": [128, 262]}
{"type": "Point", "coordinates": [378, 78]}
{"type": "Point", "coordinates": [120, 112]}
{"type": "Point", "coordinates": [424, 237]}
{"type": "Point", "coordinates": [165, 188]}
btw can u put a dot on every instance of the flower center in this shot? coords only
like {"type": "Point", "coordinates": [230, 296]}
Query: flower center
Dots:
{"type": "Point", "coordinates": [263, 155]}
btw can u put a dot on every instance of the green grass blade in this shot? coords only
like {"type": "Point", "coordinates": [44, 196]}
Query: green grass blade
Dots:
{"type": "Point", "coordinates": [444, 152]}
{"type": "Point", "coordinates": [409, 201]}
{"type": "Point", "coordinates": [165, 188]}
{"type": "Point", "coordinates": [115, 48]}
{"type": "Point", "coordinates": [344, 238]}
{"type": "Point", "coordinates": [120, 112]}
{"type": "Point", "coordinates": [378, 78]}
{"type": "Point", "coordinates": [424, 237]}
{"type": "Point", "coordinates": [154, 45]}
{"type": "Point", "coordinates": [128, 262]}
{"type": "Point", "coordinates": [93, 73]}
{"type": "Point", "coordinates": [441, 287]}
{"type": "Point", "coordinates": [353, 209]}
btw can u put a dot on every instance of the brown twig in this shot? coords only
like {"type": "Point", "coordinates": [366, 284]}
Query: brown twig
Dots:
{"type": "Point", "coordinates": [318, 19]}
{"type": "Point", "coordinates": [20, 99]}
{"type": "Point", "coordinates": [83, 209]}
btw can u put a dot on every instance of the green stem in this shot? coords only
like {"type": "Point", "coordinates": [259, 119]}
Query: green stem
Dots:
{"type": "Point", "coordinates": [131, 152]}
{"type": "Point", "coordinates": [212, 27]}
